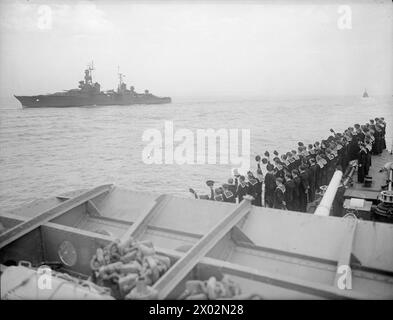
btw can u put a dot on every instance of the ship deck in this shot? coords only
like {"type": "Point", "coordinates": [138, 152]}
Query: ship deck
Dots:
{"type": "Point", "coordinates": [259, 248]}
{"type": "Point", "coordinates": [359, 190]}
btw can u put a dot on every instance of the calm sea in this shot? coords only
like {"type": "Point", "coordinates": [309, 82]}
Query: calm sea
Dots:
{"type": "Point", "coordinates": [45, 152]}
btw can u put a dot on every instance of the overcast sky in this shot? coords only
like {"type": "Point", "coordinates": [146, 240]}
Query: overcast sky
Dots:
{"type": "Point", "coordinates": [197, 49]}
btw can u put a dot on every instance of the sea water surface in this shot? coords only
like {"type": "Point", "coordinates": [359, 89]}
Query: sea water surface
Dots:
{"type": "Point", "coordinates": [49, 151]}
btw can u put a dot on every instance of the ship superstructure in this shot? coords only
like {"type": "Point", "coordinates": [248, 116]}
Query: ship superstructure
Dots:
{"type": "Point", "coordinates": [89, 93]}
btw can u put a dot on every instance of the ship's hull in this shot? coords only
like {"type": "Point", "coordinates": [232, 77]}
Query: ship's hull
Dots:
{"type": "Point", "coordinates": [62, 101]}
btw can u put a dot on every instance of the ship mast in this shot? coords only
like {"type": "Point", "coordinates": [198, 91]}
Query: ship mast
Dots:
{"type": "Point", "coordinates": [88, 73]}
{"type": "Point", "coordinates": [121, 75]}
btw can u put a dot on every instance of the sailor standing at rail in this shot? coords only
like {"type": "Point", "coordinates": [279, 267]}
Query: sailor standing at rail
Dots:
{"type": "Point", "coordinates": [291, 162]}
{"type": "Point", "coordinates": [330, 167]}
{"type": "Point", "coordinates": [279, 195]}
{"type": "Point", "coordinates": [270, 185]}
{"type": "Point", "coordinates": [312, 179]}
{"type": "Point", "coordinates": [362, 162]}
{"type": "Point", "coordinates": [290, 192]}
{"type": "Point", "coordinates": [297, 190]}
{"type": "Point", "coordinates": [319, 168]}
{"type": "Point", "coordinates": [354, 147]}
{"type": "Point", "coordinates": [254, 189]}
{"type": "Point", "coordinates": [304, 189]}
{"type": "Point", "coordinates": [311, 152]}
{"type": "Point", "coordinates": [279, 168]}
{"type": "Point", "coordinates": [232, 186]}
{"type": "Point", "coordinates": [383, 126]}
{"type": "Point", "coordinates": [227, 194]}
{"type": "Point", "coordinates": [242, 188]}
{"type": "Point", "coordinates": [368, 147]}
{"type": "Point", "coordinates": [378, 139]}
{"type": "Point", "coordinates": [260, 187]}
{"type": "Point", "coordinates": [296, 158]}
{"type": "Point", "coordinates": [210, 184]}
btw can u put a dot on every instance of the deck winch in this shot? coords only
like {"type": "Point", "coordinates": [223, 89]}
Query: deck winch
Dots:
{"type": "Point", "coordinates": [385, 207]}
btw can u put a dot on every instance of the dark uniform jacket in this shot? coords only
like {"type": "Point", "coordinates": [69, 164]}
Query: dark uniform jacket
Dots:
{"type": "Point", "coordinates": [279, 197]}
{"type": "Point", "coordinates": [290, 194]}
{"type": "Point", "coordinates": [296, 193]}
{"type": "Point", "coordinates": [242, 190]}
{"type": "Point", "coordinates": [304, 185]}
{"type": "Point", "coordinates": [270, 186]}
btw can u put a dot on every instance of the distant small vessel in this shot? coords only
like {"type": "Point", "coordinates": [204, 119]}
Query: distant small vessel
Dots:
{"type": "Point", "coordinates": [365, 94]}
{"type": "Point", "coordinates": [90, 94]}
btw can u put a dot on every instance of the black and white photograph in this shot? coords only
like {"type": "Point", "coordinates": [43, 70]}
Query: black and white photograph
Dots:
{"type": "Point", "coordinates": [215, 151]}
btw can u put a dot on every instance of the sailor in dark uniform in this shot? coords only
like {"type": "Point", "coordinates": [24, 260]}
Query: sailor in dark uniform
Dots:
{"type": "Point", "coordinates": [227, 194]}
{"type": "Point", "coordinates": [267, 156]}
{"type": "Point", "coordinates": [279, 169]}
{"type": "Point", "coordinates": [323, 145]}
{"type": "Point", "coordinates": [255, 189]}
{"type": "Point", "coordinates": [353, 145]}
{"type": "Point", "coordinates": [324, 162]}
{"type": "Point", "coordinates": [218, 194]}
{"type": "Point", "coordinates": [301, 154]}
{"type": "Point", "coordinates": [312, 176]}
{"type": "Point", "coordinates": [296, 158]}
{"type": "Point", "coordinates": [232, 186]}
{"type": "Point", "coordinates": [311, 152]}
{"type": "Point", "coordinates": [378, 139]}
{"type": "Point", "coordinates": [382, 124]}
{"type": "Point", "coordinates": [242, 188]}
{"type": "Point", "coordinates": [279, 195]}
{"type": "Point", "coordinates": [362, 162]}
{"type": "Point", "coordinates": [358, 131]}
{"type": "Point", "coordinates": [368, 147]}
{"type": "Point", "coordinates": [304, 189]}
{"type": "Point", "coordinates": [210, 184]}
{"type": "Point", "coordinates": [317, 146]}
{"type": "Point", "coordinates": [285, 162]}
{"type": "Point", "coordinates": [296, 193]}
{"type": "Point", "coordinates": [342, 157]}
{"type": "Point", "coordinates": [259, 171]}
{"type": "Point", "coordinates": [319, 165]}
{"type": "Point", "coordinates": [270, 185]}
{"type": "Point", "coordinates": [348, 140]}
{"type": "Point", "coordinates": [290, 192]}
{"type": "Point", "coordinates": [291, 162]}
{"type": "Point", "coordinates": [330, 166]}
{"type": "Point", "coordinates": [362, 132]}
{"type": "Point", "coordinates": [264, 165]}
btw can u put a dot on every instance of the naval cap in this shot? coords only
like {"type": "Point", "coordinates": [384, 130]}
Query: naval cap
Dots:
{"type": "Point", "coordinates": [209, 183]}
{"type": "Point", "coordinates": [269, 167]}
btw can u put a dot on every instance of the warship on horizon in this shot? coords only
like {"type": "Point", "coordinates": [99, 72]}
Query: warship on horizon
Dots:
{"type": "Point", "coordinates": [90, 94]}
